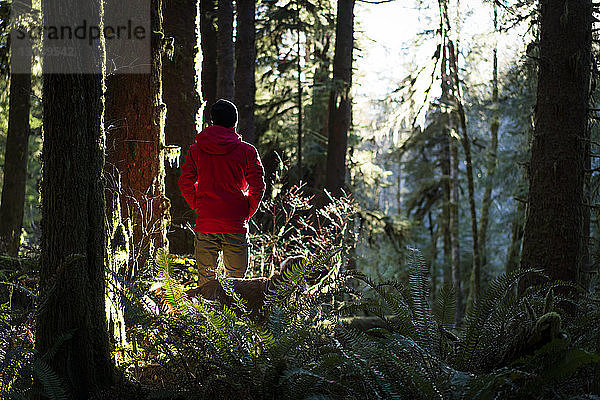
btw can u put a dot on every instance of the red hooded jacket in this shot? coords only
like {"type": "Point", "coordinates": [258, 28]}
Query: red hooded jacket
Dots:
{"type": "Point", "coordinates": [222, 179]}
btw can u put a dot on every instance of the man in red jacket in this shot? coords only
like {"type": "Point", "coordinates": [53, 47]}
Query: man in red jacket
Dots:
{"type": "Point", "coordinates": [222, 179]}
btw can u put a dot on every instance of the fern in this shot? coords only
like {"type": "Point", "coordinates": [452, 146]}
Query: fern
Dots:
{"type": "Point", "coordinates": [420, 292]}
{"type": "Point", "coordinates": [480, 313]}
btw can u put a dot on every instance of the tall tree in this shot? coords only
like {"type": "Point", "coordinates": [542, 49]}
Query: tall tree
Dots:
{"type": "Point", "coordinates": [181, 95]}
{"type": "Point", "coordinates": [300, 174]}
{"type": "Point", "coordinates": [553, 237]}
{"type": "Point", "coordinates": [17, 140]}
{"type": "Point", "coordinates": [71, 285]}
{"type": "Point", "coordinates": [135, 140]}
{"type": "Point", "coordinates": [450, 162]}
{"type": "Point", "coordinates": [492, 149]}
{"type": "Point", "coordinates": [225, 50]}
{"type": "Point", "coordinates": [452, 49]}
{"type": "Point", "coordinates": [340, 102]}
{"type": "Point", "coordinates": [208, 40]}
{"type": "Point", "coordinates": [245, 58]}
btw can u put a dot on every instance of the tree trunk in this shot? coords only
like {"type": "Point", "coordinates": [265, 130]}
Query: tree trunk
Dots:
{"type": "Point", "coordinates": [340, 103]}
{"type": "Point", "coordinates": [445, 215]}
{"type": "Point", "coordinates": [553, 237]}
{"type": "Point", "coordinates": [316, 115]}
{"type": "Point", "coordinates": [245, 57]}
{"type": "Point", "coordinates": [491, 156]}
{"type": "Point", "coordinates": [299, 94]}
{"type": "Point", "coordinates": [454, 228]}
{"type": "Point", "coordinates": [135, 149]}
{"type": "Point", "coordinates": [72, 285]}
{"type": "Point", "coordinates": [17, 143]}
{"type": "Point", "coordinates": [433, 236]}
{"type": "Point", "coordinates": [449, 167]}
{"type": "Point", "coordinates": [225, 50]}
{"type": "Point", "coordinates": [474, 287]}
{"type": "Point", "coordinates": [208, 40]}
{"type": "Point", "coordinates": [182, 97]}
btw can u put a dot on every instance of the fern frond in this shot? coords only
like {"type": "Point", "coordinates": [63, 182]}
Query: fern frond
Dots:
{"type": "Point", "coordinates": [173, 292]}
{"type": "Point", "coordinates": [51, 384]}
{"type": "Point", "coordinates": [418, 277]}
{"type": "Point", "coordinates": [444, 307]}
{"type": "Point", "coordinates": [483, 310]}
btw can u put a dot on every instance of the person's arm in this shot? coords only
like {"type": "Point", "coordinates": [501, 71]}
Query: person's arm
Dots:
{"type": "Point", "coordinates": [188, 179]}
{"type": "Point", "coordinates": [255, 177]}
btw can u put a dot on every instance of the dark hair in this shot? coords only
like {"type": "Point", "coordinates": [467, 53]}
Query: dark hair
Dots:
{"type": "Point", "coordinates": [224, 113]}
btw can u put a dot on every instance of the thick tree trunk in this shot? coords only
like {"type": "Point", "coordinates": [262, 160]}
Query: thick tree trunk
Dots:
{"type": "Point", "coordinates": [17, 142]}
{"type": "Point", "coordinates": [491, 156]}
{"type": "Point", "coordinates": [225, 50]}
{"type": "Point", "coordinates": [182, 97]}
{"type": "Point", "coordinates": [553, 238]}
{"type": "Point", "coordinates": [135, 149]}
{"type": "Point", "coordinates": [245, 57]}
{"type": "Point", "coordinates": [208, 40]}
{"type": "Point", "coordinates": [15, 164]}
{"type": "Point", "coordinates": [72, 285]}
{"type": "Point", "coordinates": [340, 102]}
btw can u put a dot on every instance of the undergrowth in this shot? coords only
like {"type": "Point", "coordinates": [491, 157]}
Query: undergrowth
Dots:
{"type": "Point", "coordinates": [342, 336]}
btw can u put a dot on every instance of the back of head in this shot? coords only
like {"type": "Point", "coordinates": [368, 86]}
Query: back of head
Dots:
{"type": "Point", "coordinates": [224, 113]}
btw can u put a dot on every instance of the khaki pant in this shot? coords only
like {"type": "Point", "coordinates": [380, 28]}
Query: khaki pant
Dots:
{"type": "Point", "coordinates": [235, 248]}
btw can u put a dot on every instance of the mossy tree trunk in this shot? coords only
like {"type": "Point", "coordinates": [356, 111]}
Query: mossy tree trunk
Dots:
{"type": "Point", "coordinates": [208, 39]}
{"type": "Point", "coordinates": [17, 140]}
{"type": "Point", "coordinates": [245, 58]}
{"type": "Point", "coordinates": [340, 102]}
{"type": "Point", "coordinates": [553, 237]}
{"type": "Point", "coordinates": [135, 149]}
{"type": "Point", "coordinates": [225, 50]}
{"type": "Point", "coordinates": [182, 97]}
{"type": "Point", "coordinates": [72, 285]}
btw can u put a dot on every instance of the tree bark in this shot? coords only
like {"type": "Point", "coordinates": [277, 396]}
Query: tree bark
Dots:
{"type": "Point", "coordinates": [135, 153]}
{"type": "Point", "coordinates": [208, 41]}
{"type": "Point", "coordinates": [182, 97]}
{"type": "Point", "coordinates": [553, 237]}
{"type": "Point", "coordinates": [72, 285]}
{"type": "Point", "coordinates": [15, 164]}
{"type": "Point", "coordinates": [340, 102]}
{"type": "Point", "coordinates": [245, 57]}
{"type": "Point", "coordinates": [17, 142]}
{"type": "Point", "coordinates": [225, 50]}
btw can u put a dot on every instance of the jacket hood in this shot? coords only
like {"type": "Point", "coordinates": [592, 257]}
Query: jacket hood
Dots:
{"type": "Point", "coordinates": [217, 139]}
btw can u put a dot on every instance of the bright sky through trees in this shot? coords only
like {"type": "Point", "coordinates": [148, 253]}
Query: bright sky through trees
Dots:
{"type": "Point", "coordinates": [392, 45]}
